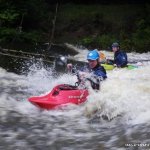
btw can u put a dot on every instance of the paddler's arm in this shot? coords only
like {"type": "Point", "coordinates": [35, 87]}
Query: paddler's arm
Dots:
{"type": "Point", "coordinates": [75, 68]}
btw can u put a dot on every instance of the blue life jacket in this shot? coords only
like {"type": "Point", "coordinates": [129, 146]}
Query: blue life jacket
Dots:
{"type": "Point", "coordinates": [98, 71]}
{"type": "Point", "coordinates": [120, 58]}
{"type": "Point", "coordinates": [99, 74]}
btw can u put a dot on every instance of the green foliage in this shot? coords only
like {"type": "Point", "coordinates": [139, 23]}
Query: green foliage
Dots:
{"type": "Point", "coordinates": [7, 34]}
{"type": "Point", "coordinates": [12, 38]}
{"type": "Point", "coordinates": [127, 44]}
{"type": "Point", "coordinates": [101, 42]}
{"type": "Point", "coordinates": [31, 37]}
{"type": "Point", "coordinates": [105, 40]}
{"type": "Point", "coordinates": [8, 15]}
{"type": "Point", "coordinates": [96, 26]}
{"type": "Point", "coordinates": [86, 41]}
{"type": "Point", "coordinates": [141, 40]}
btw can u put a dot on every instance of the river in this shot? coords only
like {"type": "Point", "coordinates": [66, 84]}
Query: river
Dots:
{"type": "Point", "coordinates": [117, 117]}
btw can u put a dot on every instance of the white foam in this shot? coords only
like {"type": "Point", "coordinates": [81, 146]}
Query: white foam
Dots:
{"type": "Point", "coordinates": [125, 92]}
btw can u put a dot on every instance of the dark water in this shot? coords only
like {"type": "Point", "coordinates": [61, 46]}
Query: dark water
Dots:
{"type": "Point", "coordinates": [117, 117]}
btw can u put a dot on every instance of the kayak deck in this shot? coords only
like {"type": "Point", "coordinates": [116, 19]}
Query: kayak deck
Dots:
{"type": "Point", "coordinates": [60, 95]}
{"type": "Point", "coordinates": [111, 67]}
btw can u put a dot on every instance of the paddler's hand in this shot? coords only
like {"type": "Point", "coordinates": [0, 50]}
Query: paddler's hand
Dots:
{"type": "Point", "coordinates": [69, 67]}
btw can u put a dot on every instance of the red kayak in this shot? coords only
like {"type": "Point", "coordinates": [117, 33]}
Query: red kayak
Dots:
{"type": "Point", "coordinates": [60, 95]}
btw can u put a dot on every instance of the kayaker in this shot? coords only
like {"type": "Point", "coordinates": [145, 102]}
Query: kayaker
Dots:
{"type": "Point", "coordinates": [93, 68]}
{"type": "Point", "coordinates": [120, 57]}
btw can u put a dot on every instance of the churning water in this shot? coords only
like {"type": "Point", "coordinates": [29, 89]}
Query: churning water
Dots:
{"type": "Point", "coordinates": [117, 117]}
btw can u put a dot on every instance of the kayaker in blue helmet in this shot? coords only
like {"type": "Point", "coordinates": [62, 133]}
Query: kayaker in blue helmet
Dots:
{"type": "Point", "coordinates": [120, 57]}
{"type": "Point", "coordinates": [94, 67]}
{"type": "Point", "coordinates": [94, 64]}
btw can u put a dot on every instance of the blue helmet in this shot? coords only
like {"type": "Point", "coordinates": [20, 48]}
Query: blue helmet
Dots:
{"type": "Point", "coordinates": [93, 55]}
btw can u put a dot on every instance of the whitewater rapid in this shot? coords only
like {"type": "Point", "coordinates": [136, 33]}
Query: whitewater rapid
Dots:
{"type": "Point", "coordinates": [122, 104]}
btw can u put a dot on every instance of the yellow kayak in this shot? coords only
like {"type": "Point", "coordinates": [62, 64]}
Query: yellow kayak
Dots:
{"type": "Point", "coordinates": [111, 67]}
{"type": "Point", "coordinates": [108, 67]}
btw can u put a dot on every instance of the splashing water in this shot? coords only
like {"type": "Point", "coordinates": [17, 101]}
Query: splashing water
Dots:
{"type": "Point", "coordinates": [110, 118]}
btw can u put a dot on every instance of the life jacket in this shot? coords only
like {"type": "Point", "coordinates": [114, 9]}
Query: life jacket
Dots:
{"type": "Point", "coordinates": [98, 74]}
{"type": "Point", "coordinates": [120, 58]}
{"type": "Point", "coordinates": [99, 71]}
